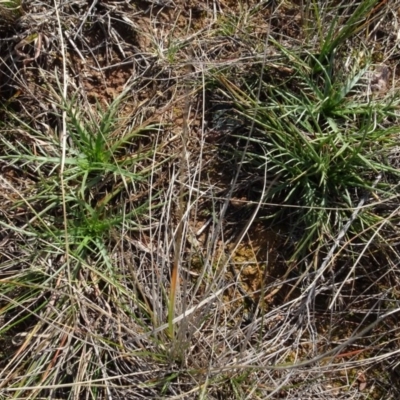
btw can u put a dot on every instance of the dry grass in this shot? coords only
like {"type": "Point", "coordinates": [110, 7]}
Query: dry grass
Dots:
{"type": "Point", "coordinates": [143, 248]}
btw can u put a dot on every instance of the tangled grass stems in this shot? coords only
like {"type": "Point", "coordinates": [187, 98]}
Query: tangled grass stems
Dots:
{"type": "Point", "coordinates": [255, 313]}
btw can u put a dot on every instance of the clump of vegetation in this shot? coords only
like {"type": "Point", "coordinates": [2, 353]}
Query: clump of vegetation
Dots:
{"type": "Point", "coordinates": [327, 144]}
